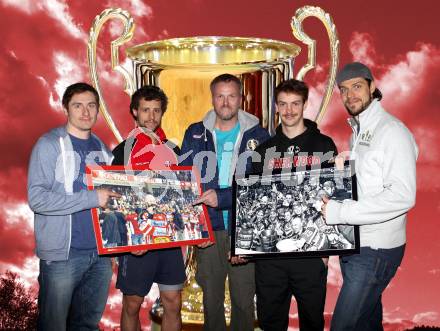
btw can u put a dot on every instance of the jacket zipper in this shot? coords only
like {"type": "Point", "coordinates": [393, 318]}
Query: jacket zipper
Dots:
{"type": "Point", "coordinates": [63, 153]}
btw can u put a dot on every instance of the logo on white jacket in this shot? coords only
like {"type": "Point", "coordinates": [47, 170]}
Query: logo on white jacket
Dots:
{"type": "Point", "coordinates": [365, 138]}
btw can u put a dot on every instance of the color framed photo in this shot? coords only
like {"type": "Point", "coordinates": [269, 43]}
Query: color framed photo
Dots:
{"type": "Point", "coordinates": [154, 211]}
{"type": "Point", "coordinates": [279, 214]}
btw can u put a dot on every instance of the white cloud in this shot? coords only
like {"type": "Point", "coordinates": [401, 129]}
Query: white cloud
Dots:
{"type": "Point", "coordinates": [28, 6]}
{"type": "Point", "coordinates": [402, 81]}
{"type": "Point", "coordinates": [13, 54]}
{"type": "Point", "coordinates": [109, 323]}
{"type": "Point", "coordinates": [57, 9]}
{"type": "Point", "coordinates": [28, 272]}
{"type": "Point", "coordinates": [134, 7]}
{"type": "Point", "coordinates": [105, 72]}
{"type": "Point", "coordinates": [69, 71]}
{"type": "Point", "coordinates": [54, 101]}
{"type": "Point", "coordinates": [426, 317]}
{"type": "Point", "coordinates": [434, 271]}
{"type": "Point", "coordinates": [316, 94]}
{"type": "Point", "coordinates": [427, 141]}
{"type": "Point", "coordinates": [16, 213]}
{"type": "Point", "coordinates": [114, 300]}
{"type": "Point", "coordinates": [362, 48]}
{"type": "Point", "coordinates": [115, 28]}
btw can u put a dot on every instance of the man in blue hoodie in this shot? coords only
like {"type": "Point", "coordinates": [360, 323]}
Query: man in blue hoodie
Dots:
{"type": "Point", "coordinates": [220, 146]}
{"type": "Point", "coordinates": [73, 279]}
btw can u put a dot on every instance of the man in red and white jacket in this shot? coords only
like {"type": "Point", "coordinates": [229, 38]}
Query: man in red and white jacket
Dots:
{"type": "Point", "coordinates": [147, 146]}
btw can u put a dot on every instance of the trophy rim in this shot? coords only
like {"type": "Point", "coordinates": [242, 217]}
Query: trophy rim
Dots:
{"type": "Point", "coordinates": [291, 50]}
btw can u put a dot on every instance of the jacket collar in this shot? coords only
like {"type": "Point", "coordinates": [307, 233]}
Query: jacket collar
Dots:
{"type": "Point", "coordinates": [245, 119]}
{"type": "Point", "coordinates": [62, 132]}
{"type": "Point", "coordinates": [149, 137]}
{"type": "Point", "coordinates": [366, 117]}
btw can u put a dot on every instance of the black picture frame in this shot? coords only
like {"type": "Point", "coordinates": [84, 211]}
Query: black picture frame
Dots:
{"type": "Point", "coordinates": [278, 214]}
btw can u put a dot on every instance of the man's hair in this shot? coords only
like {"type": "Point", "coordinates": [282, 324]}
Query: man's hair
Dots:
{"type": "Point", "coordinates": [149, 93]}
{"type": "Point", "coordinates": [77, 88]}
{"type": "Point", "coordinates": [377, 94]}
{"type": "Point", "coordinates": [357, 69]}
{"type": "Point", "coordinates": [293, 86]}
{"type": "Point", "coordinates": [225, 78]}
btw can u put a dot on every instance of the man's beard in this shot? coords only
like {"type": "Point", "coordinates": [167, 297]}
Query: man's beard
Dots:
{"type": "Point", "coordinates": [227, 115]}
{"type": "Point", "coordinates": [152, 126]}
{"type": "Point", "coordinates": [363, 107]}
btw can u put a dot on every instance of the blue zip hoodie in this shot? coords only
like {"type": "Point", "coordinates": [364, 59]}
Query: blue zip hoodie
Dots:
{"type": "Point", "coordinates": [199, 149]}
{"type": "Point", "coordinates": [53, 167]}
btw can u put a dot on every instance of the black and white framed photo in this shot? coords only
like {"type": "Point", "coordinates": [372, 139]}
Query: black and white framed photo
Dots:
{"type": "Point", "coordinates": [279, 215]}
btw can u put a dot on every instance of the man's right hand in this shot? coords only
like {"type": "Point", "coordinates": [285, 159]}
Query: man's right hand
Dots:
{"type": "Point", "coordinates": [340, 159]}
{"type": "Point", "coordinates": [205, 244]}
{"type": "Point", "coordinates": [104, 195]}
{"type": "Point", "coordinates": [236, 259]}
{"type": "Point", "coordinates": [209, 198]}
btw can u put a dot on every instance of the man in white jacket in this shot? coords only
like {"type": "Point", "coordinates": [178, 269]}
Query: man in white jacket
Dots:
{"type": "Point", "coordinates": [385, 156]}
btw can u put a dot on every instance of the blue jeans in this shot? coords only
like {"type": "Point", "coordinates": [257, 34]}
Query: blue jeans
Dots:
{"type": "Point", "coordinates": [73, 293]}
{"type": "Point", "coordinates": [365, 275]}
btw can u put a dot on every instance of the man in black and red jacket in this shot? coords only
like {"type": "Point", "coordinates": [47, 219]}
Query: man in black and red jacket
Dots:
{"type": "Point", "coordinates": [147, 146]}
{"type": "Point", "coordinates": [297, 143]}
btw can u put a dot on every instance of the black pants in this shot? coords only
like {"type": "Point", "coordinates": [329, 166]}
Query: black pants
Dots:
{"type": "Point", "coordinates": [276, 282]}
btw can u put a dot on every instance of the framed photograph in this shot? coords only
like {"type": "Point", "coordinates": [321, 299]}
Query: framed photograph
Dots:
{"type": "Point", "coordinates": [154, 211]}
{"type": "Point", "coordinates": [279, 215]}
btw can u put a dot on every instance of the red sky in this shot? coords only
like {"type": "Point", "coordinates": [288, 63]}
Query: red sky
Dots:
{"type": "Point", "coordinates": [43, 49]}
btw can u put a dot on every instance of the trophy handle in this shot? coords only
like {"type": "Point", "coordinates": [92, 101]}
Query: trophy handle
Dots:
{"type": "Point", "coordinates": [296, 24]}
{"type": "Point", "coordinates": [127, 34]}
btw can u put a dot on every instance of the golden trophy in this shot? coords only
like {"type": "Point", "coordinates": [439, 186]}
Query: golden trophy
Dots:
{"type": "Point", "coordinates": [184, 68]}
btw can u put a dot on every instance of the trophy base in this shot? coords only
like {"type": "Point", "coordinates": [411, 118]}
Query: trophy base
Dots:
{"type": "Point", "coordinates": [192, 302]}
{"type": "Point", "coordinates": [191, 321]}
{"type": "Point", "coordinates": [157, 327]}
